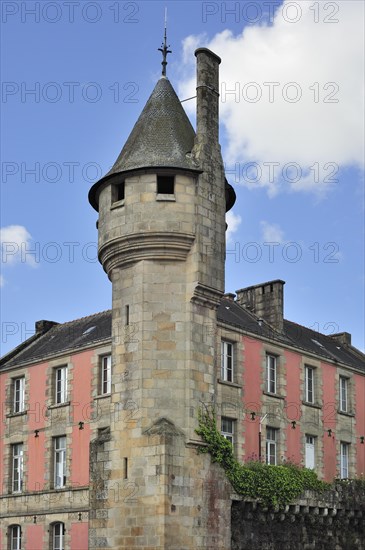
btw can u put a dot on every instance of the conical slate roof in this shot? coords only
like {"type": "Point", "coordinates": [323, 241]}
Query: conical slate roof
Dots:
{"type": "Point", "coordinates": [161, 137]}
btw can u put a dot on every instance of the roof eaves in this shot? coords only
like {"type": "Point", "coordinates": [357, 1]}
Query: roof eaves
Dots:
{"type": "Point", "coordinates": [66, 351]}
{"type": "Point", "coordinates": [18, 349]}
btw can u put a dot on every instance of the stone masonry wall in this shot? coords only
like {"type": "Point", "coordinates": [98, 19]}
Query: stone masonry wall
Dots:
{"type": "Point", "coordinates": [336, 522]}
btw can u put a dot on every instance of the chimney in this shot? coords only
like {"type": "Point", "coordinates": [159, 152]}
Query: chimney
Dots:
{"type": "Point", "coordinates": [343, 338]}
{"type": "Point", "coordinates": [229, 296]}
{"type": "Point", "coordinates": [266, 301]}
{"type": "Point", "coordinates": [207, 91]}
{"type": "Point", "coordinates": [41, 327]}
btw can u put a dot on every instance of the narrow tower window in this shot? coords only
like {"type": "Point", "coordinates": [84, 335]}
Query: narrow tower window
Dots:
{"type": "Point", "coordinates": [118, 192]}
{"type": "Point", "coordinates": [165, 185]}
{"type": "Point", "coordinates": [127, 315]}
{"type": "Point", "coordinates": [121, 191]}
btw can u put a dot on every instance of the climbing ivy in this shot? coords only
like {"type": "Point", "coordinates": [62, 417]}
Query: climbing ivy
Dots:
{"type": "Point", "coordinates": [271, 485]}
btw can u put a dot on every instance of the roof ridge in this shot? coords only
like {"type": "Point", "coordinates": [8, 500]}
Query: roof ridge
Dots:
{"type": "Point", "coordinates": [316, 333]}
{"type": "Point", "coordinates": [81, 319]}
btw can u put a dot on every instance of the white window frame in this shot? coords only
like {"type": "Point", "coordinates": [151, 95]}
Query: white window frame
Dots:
{"type": "Point", "coordinates": [58, 536]}
{"type": "Point", "coordinates": [106, 374]}
{"type": "Point", "coordinates": [309, 384]}
{"type": "Point", "coordinates": [17, 467]}
{"type": "Point", "coordinates": [227, 429]}
{"type": "Point", "coordinates": [344, 459]}
{"type": "Point", "coordinates": [15, 534]}
{"type": "Point", "coordinates": [271, 372]}
{"type": "Point", "coordinates": [344, 394]}
{"type": "Point", "coordinates": [227, 361]}
{"type": "Point", "coordinates": [271, 445]}
{"type": "Point", "coordinates": [59, 462]}
{"type": "Point", "coordinates": [60, 376]}
{"type": "Point", "coordinates": [310, 442]}
{"type": "Point", "coordinates": [18, 394]}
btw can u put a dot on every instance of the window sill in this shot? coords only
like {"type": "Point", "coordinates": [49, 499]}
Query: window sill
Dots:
{"type": "Point", "coordinates": [346, 413]}
{"type": "Point", "coordinates": [13, 414]}
{"type": "Point", "coordinates": [165, 197]}
{"type": "Point", "coordinates": [313, 405]}
{"type": "Point", "coordinates": [102, 395]}
{"type": "Point", "coordinates": [58, 405]}
{"type": "Point", "coordinates": [117, 204]}
{"type": "Point", "coordinates": [274, 395]}
{"type": "Point", "coordinates": [227, 383]}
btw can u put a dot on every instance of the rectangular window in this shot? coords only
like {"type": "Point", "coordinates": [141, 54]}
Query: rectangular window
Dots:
{"type": "Point", "coordinates": [59, 464]}
{"type": "Point", "coordinates": [58, 536]}
{"type": "Point", "coordinates": [61, 385]}
{"type": "Point", "coordinates": [118, 192]}
{"type": "Point", "coordinates": [106, 371]}
{"type": "Point", "coordinates": [121, 191]}
{"type": "Point", "coordinates": [271, 373]}
{"type": "Point", "coordinates": [17, 468]}
{"type": "Point", "coordinates": [227, 429]}
{"type": "Point", "coordinates": [310, 449]}
{"type": "Point", "coordinates": [227, 361]}
{"type": "Point", "coordinates": [309, 384]}
{"type": "Point", "coordinates": [18, 394]}
{"type": "Point", "coordinates": [165, 185]}
{"type": "Point", "coordinates": [15, 537]}
{"type": "Point", "coordinates": [271, 445]}
{"type": "Point", "coordinates": [344, 460]}
{"type": "Point", "coordinates": [344, 383]}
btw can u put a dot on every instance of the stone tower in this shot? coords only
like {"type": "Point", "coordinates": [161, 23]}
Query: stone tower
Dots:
{"type": "Point", "coordinates": [161, 241]}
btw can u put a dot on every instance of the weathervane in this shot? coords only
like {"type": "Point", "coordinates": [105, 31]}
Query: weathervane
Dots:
{"type": "Point", "coordinates": [164, 49]}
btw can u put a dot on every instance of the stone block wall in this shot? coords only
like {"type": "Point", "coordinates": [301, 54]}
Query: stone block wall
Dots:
{"type": "Point", "coordinates": [335, 522]}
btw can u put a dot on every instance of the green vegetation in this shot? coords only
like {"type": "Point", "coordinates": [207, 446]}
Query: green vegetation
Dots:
{"type": "Point", "coordinates": [271, 485]}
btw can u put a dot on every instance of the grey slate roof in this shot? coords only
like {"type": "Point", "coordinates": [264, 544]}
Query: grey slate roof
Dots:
{"type": "Point", "coordinates": [295, 335]}
{"type": "Point", "coordinates": [61, 338]}
{"type": "Point", "coordinates": [161, 136]}
{"type": "Point", "coordinates": [69, 337]}
{"type": "Point", "coordinates": [323, 345]}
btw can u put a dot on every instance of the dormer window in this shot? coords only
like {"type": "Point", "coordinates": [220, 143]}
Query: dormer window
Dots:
{"type": "Point", "coordinates": [165, 185]}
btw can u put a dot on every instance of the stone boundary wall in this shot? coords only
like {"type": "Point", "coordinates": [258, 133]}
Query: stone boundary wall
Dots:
{"type": "Point", "coordinates": [336, 521]}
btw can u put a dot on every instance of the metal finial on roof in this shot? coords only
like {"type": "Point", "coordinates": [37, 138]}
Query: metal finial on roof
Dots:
{"type": "Point", "coordinates": [164, 48]}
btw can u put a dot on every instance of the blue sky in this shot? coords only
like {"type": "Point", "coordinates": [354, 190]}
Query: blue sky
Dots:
{"type": "Point", "coordinates": [291, 136]}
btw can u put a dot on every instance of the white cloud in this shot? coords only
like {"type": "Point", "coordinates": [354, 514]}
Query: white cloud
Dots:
{"type": "Point", "coordinates": [15, 242]}
{"type": "Point", "coordinates": [314, 136]}
{"type": "Point", "coordinates": [233, 222]}
{"type": "Point", "coordinates": [271, 232]}
{"type": "Point", "coordinates": [2, 281]}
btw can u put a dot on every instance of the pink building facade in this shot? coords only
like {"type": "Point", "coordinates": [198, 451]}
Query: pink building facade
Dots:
{"type": "Point", "coordinates": [283, 393]}
{"type": "Point", "coordinates": [293, 394]}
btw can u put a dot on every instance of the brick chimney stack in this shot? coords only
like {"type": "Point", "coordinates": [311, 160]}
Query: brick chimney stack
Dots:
{"type": "Point", "coordinates": [266, 301]}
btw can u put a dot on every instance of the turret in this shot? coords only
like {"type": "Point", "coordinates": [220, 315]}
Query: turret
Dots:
{"type": "Point", "coordinates": [161, 241]}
